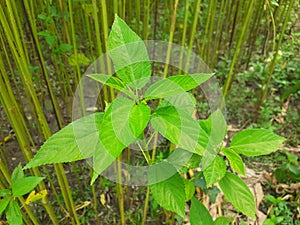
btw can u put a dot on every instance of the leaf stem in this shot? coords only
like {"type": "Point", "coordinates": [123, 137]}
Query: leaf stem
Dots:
{"type": "Point", "coordinates": [146, 205]}
{"type": "Point", "coordinates": [120, 190]}
{"type": "Point", "coordinates": [145, 153]}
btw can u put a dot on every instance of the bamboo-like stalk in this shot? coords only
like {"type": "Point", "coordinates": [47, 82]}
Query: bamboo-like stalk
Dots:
{"type": "Point", "coordinates": [192, 34]}
{"type": "Point", "coordinates": [11, 109]}
{"type": "Point", "coordinates": [225, 32]}
{"type": "Point", "coordinates": [77, 68]}
{"type": "Point", "coordinates": [243, 8]}
{"type": "Point", "coordinates": [95, 201]}
{"type": "Point", "coordinates": [120, 191]}
{"type": "Point", "coordinates": [273, 25]}
{"type": "Point", "coordinates": [255, 32]}
{"type": "Point", "coordinates": [138, 16]}
{"type": "Point", "coordinates": [105, 31]}
{"type": "Point", "coordinates": [220, 24]}
{"type": "Point", "coordinates": [233, 26]}
{"type": "Point", "coordinates": [98, 40]}
{"type": "Point", "coordinates": [272, 64]}
{"type": "Point", "coordinates": [172, 28]}
{"type": "Point", "coordinates": [237, 49]}
{"type": "Point", "coordinates": [115, 6]}
{"type": "Point", "coordinates": [185, 26]}
{"type": "Point", "coordinates": [9, 68]}
{"type": "Point", "coordinates": [148, 187]}
{"type": "Point", "coordinates": [67, 90]}
{"type": "Point", "coordinates": [14, 13]}
{"type": "Point", "coordinates": [146, 19]}
{"type": "Point", "coordinates": [17, 121]}
{"type": "Point", "coordinates": [17, 50]}
{"type": "Point", "coordinates": [33, 30]}
{"type": "Point", "coordinates": [145, 211]}
{"type": "Point", "coordinates": [225, 21]}
{"type": "Point", "coordinates": [208, 19]}
{"type": "Point", "coordinates": [212, 16]}
{"type": "Point", "coordinates": [124, 8]}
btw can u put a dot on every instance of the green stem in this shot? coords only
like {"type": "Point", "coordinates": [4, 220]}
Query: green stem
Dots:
{"type": "Point", "coordinates": [105, 31]}
{"type": "Point", "coordinates": [146, 206]}
{"type": "Point", "coordinates": [192, 35]}
{"type": "Point", "coordinates": [13, 38]}
{"type": "Point", "coordinates": [33, 30]}
{"type": "Point", "coordinates": [138, 16]}
{"type": "Point", "coordinates": [173, 22]}
{"type": "Point", "coordinates": [98, 41]}
{"type": "Point", "coordinates": [120, 192]}
{"type": "Point", "coordinates": [11, 106]}
{"type": "Point", "coordinates": [146, 19]}
{"type": "Point", "coordinates": [145, 211]}
{"type": "Point", "coordinates": [145, 154]}
{"type": "Point", "coordinates": [273, 62]}
{"type": "Point", "coordinates": [183, 38]}
{"type": "Point", "coordinates": [217, 39]}
{"type": "Point", "coordinates": [115, 3]}
{"type": "Point", "coordinates": [212, 16]}
{"type": "Point", "coordinates": [77, 68]}
{"type": "Point", "coordinates": [237, 49]}
{"type": "Point", "coordinates": [95, 201]}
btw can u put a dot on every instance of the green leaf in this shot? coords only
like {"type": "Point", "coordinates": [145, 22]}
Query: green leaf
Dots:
{"type": "Point", "coordinates": [44, 33]}
{"type": "Point", "coordinates": [25, 185]}
{"type": "Point", "coordinates": [181, 158]}
{"type": "Point", "coordinates": [273, 200]}
{"type": "Point", "coordinates": [119, 123]}
{"type": "Point", "coordinates": [129, 55]}
{"type": "Point", "coordinates": [13, 214]}
{"type": "Point", "coordinates": [208, 157]}
{"type": "Point", "coordinates": [3, 204]}
{"type": "Point", "coordinates": [200, 181]}
{"type": "Point", "coordinates": [175, 85]}
{"type": "Point", "coordinates": [5, 192]}
{"type": "Point", "coordinates": [269, 222]}
{"type": "Point", "coordinates": [235, 160]}
{"type": "Point", "coordinates": [109, 80]}
{"type": "Point", "coordinates": [212, 193]}
{"type": "Point", "coordinates": [74, 142]}
{"type": "Point", "coordinates": [215, 171]}
{"type": "Point", "coordinates": [215, 127]}
{"type": "Point", "coordinates": [121, 126]}
{"type": "Point", "coordinates": [189, 189]}
{"type": "Point", "coordinates": [50, 40]}
{"type": "Point", "coordinates": [178, 127]}
{"type": "Point", "coordinates": [114, 135]}
{"type": "Point", "coordinates": [184, 101]}
{"type": "Point", "coordinates": [169, 193]}
{"type": "Point", "coordinates": [214, 132]}
{"type": "Point", "coordinates": [238, 193]}
{"type": "Point", "coordinates": [199, 214]}
{"type": "Point", "coordinates": [78, 59]}
{"type": "Point", "coordinates": [94, 177]}
{"type": "Point", "coordinates": [139, 118]}
{"type": "Point", "coordinates": [290, 90]}
{"type": "Point", "coordinates": [255, 142]}
{"type": "Point", "coordinates": [17, 174]}
{"type": "Point", "coordinates": [65, 47]}
{"type": "Point", "coordinates": [89, 9]}
{"type": "Point", "coordinates": [42, 16]}
{"type": "Point", "coordinates": [102, 159]}
{"type": "Point", "coordinates": [293, 159]}
{"type": "Point", "coordinates": [222, 221]}
{"type": "Point", "coordinates": [113, 82]}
